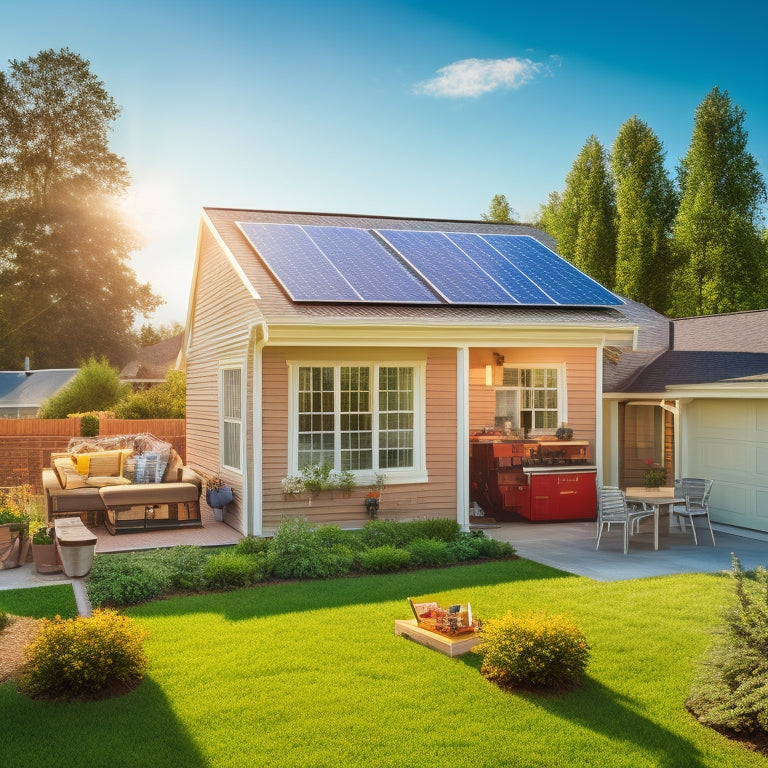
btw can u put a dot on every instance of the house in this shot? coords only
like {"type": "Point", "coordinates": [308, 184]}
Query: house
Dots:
{"type": "Point", "coordinates": [388, 345]}
{"type": "Point", "coordinates": [693, 397]}
{"type": "Point", "coordinates": [151, 364]}
{"type": "Point", "coordinates": [23, 392]}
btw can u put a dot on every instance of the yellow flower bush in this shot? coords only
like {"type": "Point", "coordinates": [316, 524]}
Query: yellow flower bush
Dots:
{"type": "Point", "coordinates": [72, 658]}
{"type": "Point", "coordinates": [536, 650]}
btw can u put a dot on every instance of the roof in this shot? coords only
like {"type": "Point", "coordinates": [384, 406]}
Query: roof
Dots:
{"type": "Point", "coordinates": [276, 308]}
{"type": "Point", "coordinates": [26, 389]}
{"type": "Point", "coordinates": [153, 362]}
{"type": "Point", "coordinates": [726, 349]}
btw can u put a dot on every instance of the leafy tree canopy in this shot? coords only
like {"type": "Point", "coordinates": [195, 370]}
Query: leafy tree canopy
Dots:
{"type": "Point", "coordinates": [500, 212]}
{"type": "Point", "coordinates": [66, 289]}
{"type": "Point", "coordinates": [149, 335]}
{"type": "Point", "coordinates": [95, 387]}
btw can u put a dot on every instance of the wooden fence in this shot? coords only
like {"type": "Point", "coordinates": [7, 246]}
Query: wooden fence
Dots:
{"type": "Point", "coordinates": [26, 445]}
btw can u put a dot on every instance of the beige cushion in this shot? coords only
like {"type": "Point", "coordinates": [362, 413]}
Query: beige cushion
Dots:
{"type": "Point", "coordinates": [68, 476]}
{"type": "Point", "coordinates": [100, 482]}
{"type": "Point", "coordinates": [174, 468]}
{"type": "Point", "coordinates": [151, 493]}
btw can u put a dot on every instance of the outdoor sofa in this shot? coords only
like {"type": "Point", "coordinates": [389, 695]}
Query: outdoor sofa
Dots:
{"type": "Point", "coordinates": [130, 482]}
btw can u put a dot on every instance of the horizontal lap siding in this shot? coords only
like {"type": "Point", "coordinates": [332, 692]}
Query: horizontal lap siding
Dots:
{"type": "Point", "coordinates": [437, 498]}
{"type": "Point", "coordinates": [224, 311]}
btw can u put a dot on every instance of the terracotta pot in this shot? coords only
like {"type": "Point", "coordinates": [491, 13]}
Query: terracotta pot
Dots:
{"type": "Point", "coordinates": [45, 558]}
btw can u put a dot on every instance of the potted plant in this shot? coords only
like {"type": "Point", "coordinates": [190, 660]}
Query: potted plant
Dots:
{"type": "Point", "coordinates": [373, 497]}
{"type": "Point", "coordinates": [655, 475]}
{"type": "Point", "coordinates": [217, 494]}
{"type": "Point", "coordinates": [44, 551]}
{"type": "Point", "coordinates": [14, 530]}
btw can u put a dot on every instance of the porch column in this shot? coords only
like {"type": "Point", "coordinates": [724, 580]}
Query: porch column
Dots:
{"type": "Point", "coordinates": [462, 437]}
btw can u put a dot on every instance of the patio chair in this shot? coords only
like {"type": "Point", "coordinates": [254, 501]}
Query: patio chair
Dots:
{"type": "Point", "coordinates": [612, 509]}
{"type": "Point", "coordinates": [696, 492]}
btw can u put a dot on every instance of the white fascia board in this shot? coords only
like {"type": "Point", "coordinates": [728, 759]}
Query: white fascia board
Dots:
{"type": "Point", "coordinates": [357, 332]}
{"type": "Point", "coordinates": [758, 390]}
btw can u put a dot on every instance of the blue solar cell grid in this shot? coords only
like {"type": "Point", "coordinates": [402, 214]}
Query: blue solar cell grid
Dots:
{"type": "Point", "coordinates": [446, 267]}
{"type": "Point", "coordinates": [373, 271]}
{"type": "Point", "coordinates": [292, 257]}
{"type": "Point", "coordinates": [566, 285]}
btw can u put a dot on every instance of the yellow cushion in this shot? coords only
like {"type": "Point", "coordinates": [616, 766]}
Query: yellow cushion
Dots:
{"type": "Point", "coordinates": [100, 463]}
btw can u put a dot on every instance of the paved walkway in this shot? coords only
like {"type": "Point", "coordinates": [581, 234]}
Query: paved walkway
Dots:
{"type": "Point", "coordinates": [571, 547]}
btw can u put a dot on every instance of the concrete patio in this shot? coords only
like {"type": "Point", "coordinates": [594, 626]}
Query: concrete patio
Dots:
{"type": "Point", "coordinates": [571, 547]}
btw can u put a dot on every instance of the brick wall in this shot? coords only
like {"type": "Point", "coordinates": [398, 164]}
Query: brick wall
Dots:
{"type": "Point", "coordinates": [26, 444]}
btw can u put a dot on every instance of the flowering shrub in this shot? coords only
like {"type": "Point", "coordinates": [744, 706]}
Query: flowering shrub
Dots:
{"type": "Point", "coordinates": [536, 650]}
{"type": "Point", "coordinates": [80, 657]}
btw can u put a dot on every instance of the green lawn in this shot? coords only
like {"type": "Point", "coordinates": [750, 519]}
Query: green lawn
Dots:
{"type": "Point", "coordinates": [311, 674]}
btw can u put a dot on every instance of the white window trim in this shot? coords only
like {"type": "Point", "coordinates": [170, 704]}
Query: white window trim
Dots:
{"type": "Point", "coordinates": [241, 368]}
{"type": "Point", "coordinates": [415, 474]}
{"type": "Point", "coordinates": [562, 392]}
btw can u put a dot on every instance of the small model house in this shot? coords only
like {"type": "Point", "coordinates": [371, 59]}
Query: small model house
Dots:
{"type": "Point", "coordinates": [446, 356]}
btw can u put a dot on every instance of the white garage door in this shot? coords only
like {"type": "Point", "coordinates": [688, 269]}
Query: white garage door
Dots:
{"type": "Point", "coordinates": [727, 441]}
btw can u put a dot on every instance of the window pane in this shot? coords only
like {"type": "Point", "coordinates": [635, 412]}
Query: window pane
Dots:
{"type": "Point", "coordinates": [231, 410]}
{"type": "Point", "coordinates": [355, 418]}
{"type": "Point", "coordinates": [396, 418]}
{"type": "Point", "coordinates": [316, 439]}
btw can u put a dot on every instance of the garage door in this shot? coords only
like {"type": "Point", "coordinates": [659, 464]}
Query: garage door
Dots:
{"type": "Point", "coordinates": [728, 441]}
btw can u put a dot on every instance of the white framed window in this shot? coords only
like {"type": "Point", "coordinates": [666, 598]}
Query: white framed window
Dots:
{"type": "Point", "coordinates": [231, 409]}
{"type": "Point", "coordinates": [532, 397]}
{"type": "Point", "coordinates": [361, 416]}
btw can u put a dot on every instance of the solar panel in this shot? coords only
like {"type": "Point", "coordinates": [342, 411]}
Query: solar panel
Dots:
{"type": "Point", "coordinates": [553, 274]}
{"type": "Point", "coordinates": [370, 268]}
{"type": "Point", "coordinates": [446, 267]}
{"type": "Point", "coordinates": [297, 264]}
{"type": "Point", "coordinates": [350, 264]}
{"type": "Point", "coordinates": [520, 287]}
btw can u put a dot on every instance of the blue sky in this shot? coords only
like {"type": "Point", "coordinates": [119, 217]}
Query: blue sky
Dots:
{"type": "Point", "coordinates": [423, 109]}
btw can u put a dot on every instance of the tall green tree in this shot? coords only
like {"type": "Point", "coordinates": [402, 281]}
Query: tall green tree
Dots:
{"type": "Point", "coordinates": [645, 207]}
{"type": "Point", "coordinates": [499, 211]}
{"type": "Point", "coordinates": [582, 219]}
{"type": "Point", "coordinates": [717, 235]}
{"type": "Point", "coordinates": [67, 291]}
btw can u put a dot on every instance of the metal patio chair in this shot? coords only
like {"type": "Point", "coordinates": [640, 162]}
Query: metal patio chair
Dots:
{"type": "Point", "coordinates": [612, 509]}
{"type": "Point", "coordinates": [695, 491]}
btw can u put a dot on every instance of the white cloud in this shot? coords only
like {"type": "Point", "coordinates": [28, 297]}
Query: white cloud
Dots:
{"type": "Point", "coordinates": [474, 77]}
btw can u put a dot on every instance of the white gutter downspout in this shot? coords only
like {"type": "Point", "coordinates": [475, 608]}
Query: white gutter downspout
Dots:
{"type": "Point", "coordinates": [258, 338]}
{"type": "Point", "coordinates": [599, 415]}
{"type": "Point", "coordinates": [462, 437]}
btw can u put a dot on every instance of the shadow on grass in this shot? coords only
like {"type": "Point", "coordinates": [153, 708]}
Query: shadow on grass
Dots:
{"type": "Point", "coordinates": [613, 716]}
{"type": "Point", "coordinates": [271, 599]}
{"type": "Point", "coordinates": [139, 728]}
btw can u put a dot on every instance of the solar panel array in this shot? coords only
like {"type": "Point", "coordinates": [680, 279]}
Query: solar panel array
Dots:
{"type": "Point", "coordinates": [402, 266]}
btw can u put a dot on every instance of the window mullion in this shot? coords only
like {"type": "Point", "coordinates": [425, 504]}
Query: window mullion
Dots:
{"type": "Point", "coordinates": [337, 417]}
{"type": "Point", "coordinates": [375, 416]}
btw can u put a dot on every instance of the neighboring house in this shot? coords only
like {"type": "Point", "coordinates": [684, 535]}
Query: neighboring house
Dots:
{"type": "Point", "coordinates": [23, 392]}
{"type": "Point", "coordinates": [693, 395]}
{"type": "Point", "coordinates": [152, 363]}
{"type": "Point", "coordinates": [381, 345]}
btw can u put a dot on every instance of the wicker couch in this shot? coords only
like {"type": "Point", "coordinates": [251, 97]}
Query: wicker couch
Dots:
{"type": "Point", "coordinates": [130, 482]}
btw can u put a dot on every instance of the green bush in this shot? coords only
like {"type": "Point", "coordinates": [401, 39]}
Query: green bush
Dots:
{"type": "Point", "coordinates": [466, 546]}
{"type": "Point", "coordinates": [126, 579]}
{"type": "Point", "coordinates": [89, 425]}
{"type": "Point", "coordinates": [441, 528]}
{"type": "Point", "coordinates": [79, 657]}
{"type": "Point", "coordinates": [164, 401]}
{"type": "Point", "coordinates": [5, 619]}
{"type": "Point", "coordinates": [428, 552]}
{"type": "Point", "coordinates": [383, 559]}
{"type": "Point", "coordinates": [377, 533]}
{"type": "Point", "coordinates": [182, 566]}
{"type": "Point", "coordinates": [95, 387]}
{"type": "Point", "coordinates": [730, 688]}
{"type": "Point", "coordinates": [330, 536]}
{"type": "Point", "coordinates": [492, 548]}
{"type": "Point", "coordinates": [533, 651]}
{"type": "Point", "coordinates": [252, 545]}
{"type": "Point", "coordinates": [229, 570]}
{"type": "Point", "coordinates": [297, 553]}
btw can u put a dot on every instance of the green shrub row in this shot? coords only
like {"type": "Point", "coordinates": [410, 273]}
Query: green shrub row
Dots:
{"type": "Point", "coordinates": [298, 550]}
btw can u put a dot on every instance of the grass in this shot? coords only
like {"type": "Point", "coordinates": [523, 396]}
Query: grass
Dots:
{"type": "Point", "coordinates": [311, 674]}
